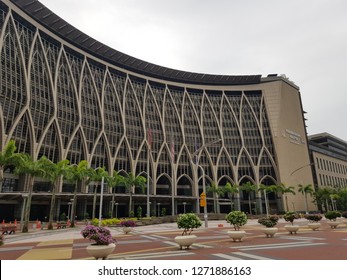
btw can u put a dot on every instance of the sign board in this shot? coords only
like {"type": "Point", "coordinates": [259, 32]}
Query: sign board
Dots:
{"type": "Point", "coordinates": [202, 199]}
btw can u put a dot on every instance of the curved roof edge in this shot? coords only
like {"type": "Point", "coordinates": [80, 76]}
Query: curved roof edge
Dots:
{"type": "Point", "coordinates": [67, 32]}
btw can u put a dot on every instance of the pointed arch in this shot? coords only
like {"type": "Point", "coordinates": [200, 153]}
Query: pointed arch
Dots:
{"type": "Point", "coordinates": [184, 163]}
{"type": "Point", "coordinates": [68, 114]}
{"type": "Point", "coordinates": [250, 129]}
{"type": "Point", "coordinates": [50, 145]}
{"type": "Point", "coordinates": [267, 165]}
{"type": "Point", "coordinates": [141, 159]}
{"type": "Point", "coordinates": [92, 121]}
{"type": "Point", "coordinates": [154, 122]}
{"type": "Point", "coordinates": [191, 124]}
{"type": "Point", "coordinates": [76, 150]}
{"type": "Point", "coordinates": [224, 165]}
{"type": "Point", "coordinates": [231, 130]}
{"type": "Point", "coordinates": [184, 186]}
{"type": "Point", "coordinates": [22, 133]}
{"type": "Point", "coordinates": [173, 126]}
{"type": "Point", "coordinates": [13, 92]}
{"type": "Point", "coordinates": [133, 119]}
{"type": "Point", "coordinates": [112, 109]}
{"type": "Point", "coordinates": [100, 156]}
{"type": "Point", "coordinates": [164, 165]}
{"type": "Point", "coordinates": [42, 102]}
{"type": "Point", "coordinates": [164, 185]}
{"type": "Point", "coordinates": [123, 158]}
{"type": "Point", "coordinates": [211, 128]}
{"type": "Point", "coordinates": [245, 166]}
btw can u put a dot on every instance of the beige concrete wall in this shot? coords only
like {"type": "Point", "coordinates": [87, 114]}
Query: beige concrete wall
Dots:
{"type": "Point", "coordinates": [287, 124]}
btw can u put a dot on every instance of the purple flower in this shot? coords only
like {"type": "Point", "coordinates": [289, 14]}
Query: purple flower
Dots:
{"type": "Point", "coordinates": [127, 223]}
{"type": "Point", "coordinates": [101, 235]}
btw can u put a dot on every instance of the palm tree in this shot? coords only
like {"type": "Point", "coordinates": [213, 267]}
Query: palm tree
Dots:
{"type": "Point", "coordinates": [130, 183]}
{"type": "Point", "coordinates": [305, 190]}
{"type": "Point", "coordinates": [112, 182]}
{"type": "Point", "coordinates": [8, 157]}
{"type": "Point", "coordinates": [32, 169]}
{"type": "Point", "coordinates": [266, 190]}
{"type": "Point", "coordinates": [77, 174]}
{"type": "Point", "coordinates": [216, 190]}
{"type": "Point", "coordinates": [249, 188]}
{"type": "Point", "coordinates": [285, 190]}
{"type": "Point", "coordinates": [322, 197]}
{"type": "Point", "coordinates": [231, 190]}
{"type": "Point", "coordinates": [53, 172]}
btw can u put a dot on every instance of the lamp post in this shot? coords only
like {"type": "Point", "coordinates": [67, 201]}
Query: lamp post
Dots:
{"type": "Point", "coordinates": [68, 211]}
{"type": "Point", "coordinates": [101, 197]}
{"type": "Point", "coordinates": [116, 209]}
{"type": "Point", "coordinates": [203, 195]}
{"type": "Point", "coordinates": [184, 207]}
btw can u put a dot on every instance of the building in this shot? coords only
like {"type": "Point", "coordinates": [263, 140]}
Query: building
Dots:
{"type": "Point", "coordinates": [67, 96]}
{"type": "Point", "coordinates": [329, 160]}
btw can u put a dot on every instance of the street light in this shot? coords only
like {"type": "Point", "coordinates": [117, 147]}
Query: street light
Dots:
{"type": "Point", "coordinates": [184, 207]}
{"type": "Point", "coordinates": [203, 175]}
{"type": "Point", "coordinates": [101, 197]}
{"type": "Point", "coordinates": [116, 209]}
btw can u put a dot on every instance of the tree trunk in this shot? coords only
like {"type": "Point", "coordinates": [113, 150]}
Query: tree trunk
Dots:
{"type": "Point", "coordinates": [51, 210]}
{"type": "Point", "coordinates": [28, 205]}
{"type": "Point", "coordinates": [94, 203]}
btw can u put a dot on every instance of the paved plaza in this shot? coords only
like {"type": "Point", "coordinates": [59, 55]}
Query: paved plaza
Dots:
{"type": "Point", "coordinates": [156, 242]}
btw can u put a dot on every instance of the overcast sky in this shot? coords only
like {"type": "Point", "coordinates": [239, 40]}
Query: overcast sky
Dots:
{"type": "Point", "coordinates": [305, 40]}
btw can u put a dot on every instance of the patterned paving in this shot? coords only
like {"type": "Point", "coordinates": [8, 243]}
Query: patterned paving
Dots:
{"type": "Point", "coordinates": [212, 243]}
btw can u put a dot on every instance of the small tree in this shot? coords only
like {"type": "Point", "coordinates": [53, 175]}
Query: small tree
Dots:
{"type": "Point", "coordinates": [237, 219]}
{"type": "Point", "coordinates": [290, 216]}
{"type": "Point", "coordinates": [188, 222]}
{"type": "Point", "coordinates": [139, 212]}
{"type": "Point", "coordinates": [269, 221]}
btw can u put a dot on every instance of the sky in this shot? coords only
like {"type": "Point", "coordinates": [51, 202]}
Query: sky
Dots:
{"type": "Point", "coordinates": [305, 40]}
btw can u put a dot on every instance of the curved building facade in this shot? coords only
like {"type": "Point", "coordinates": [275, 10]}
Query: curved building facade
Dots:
{"type": "Point", "coordinates": [64, 95]}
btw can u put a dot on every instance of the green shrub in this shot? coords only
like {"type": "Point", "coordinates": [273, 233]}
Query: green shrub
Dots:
{"type": "Point", "coordinates": [237, 219]}
{"type": "Point", "coordinates": [313, 217]}
{"type": "Point", "coordinates": [188, 222]}
{"type": "Point", "coordinates": [270, 221]}
{"type": "Point", "coordinates": [290, 216]}
{"type": "Point", "coordinates": [332, 215]}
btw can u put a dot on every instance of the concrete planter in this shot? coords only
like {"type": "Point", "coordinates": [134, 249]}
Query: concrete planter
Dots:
{"type": "Point", "coordinates": [270, 231]}
{"type": "Point", "coordinates": [236, 235]}
{"type": "Point", "coordinates": [314, 226]}
{"type": "Point", "coordinates": [292, 229]}
{"type": "Point", "coordinates": [185, 241]}
{"type": "Point", "coordinates": [333, 224]}
{"type": "Point", "coordinates": [100, 251]}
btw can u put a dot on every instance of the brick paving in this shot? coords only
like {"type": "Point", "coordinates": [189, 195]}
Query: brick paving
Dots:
{"type": "Point", "coordinates": [156, 242]}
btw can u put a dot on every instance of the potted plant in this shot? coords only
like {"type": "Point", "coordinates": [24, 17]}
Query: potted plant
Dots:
{"type": "Point", "coordinates": [331, 216]}
{"type": "Point", "coordinates": [269, 222]}
{"type": "Point", "coordinates": [188, 222]}
{"type": "Point", "coordinates": [237, 219]}
{"type": "Point", "coordinates": [313, 220]}
{"type": "Point", "coordinates": [127, 225]}
{"type": "Point", "coordinates": [104, 243]}
{"type": "Point", "coordinates": [290, 216]}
